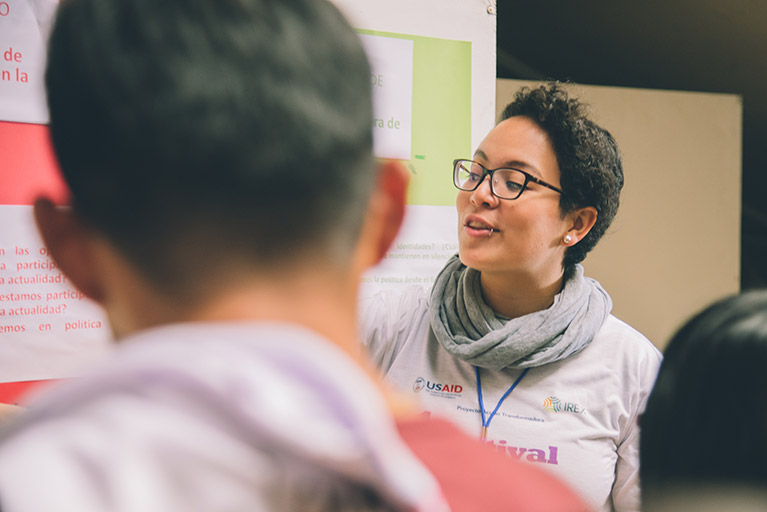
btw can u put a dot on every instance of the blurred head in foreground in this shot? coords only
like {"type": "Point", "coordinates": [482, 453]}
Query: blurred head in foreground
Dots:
{"type": "Point", "coordinates": [209, 141]}
{"type": "Point", "coordinates": [705, 426]}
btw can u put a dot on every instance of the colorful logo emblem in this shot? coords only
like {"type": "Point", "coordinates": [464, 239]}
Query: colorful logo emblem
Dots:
{"type": "Point", "coordinates": [419, 384]}
{"type": "Point", "coordinates": [552, 404]}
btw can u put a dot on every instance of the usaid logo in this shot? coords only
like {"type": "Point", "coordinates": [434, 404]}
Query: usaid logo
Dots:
{"type": "Point", "coordinates": [444, 388]}
{"type": "Point", "coordinates": [437, 388]}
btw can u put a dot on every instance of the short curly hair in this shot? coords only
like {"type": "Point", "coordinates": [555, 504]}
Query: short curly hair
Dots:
{"type": "Point", "coordinates": [591, 172]}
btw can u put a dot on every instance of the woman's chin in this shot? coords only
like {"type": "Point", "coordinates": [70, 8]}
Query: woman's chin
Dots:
{"type": "Point", "coordinates": [472, 260]}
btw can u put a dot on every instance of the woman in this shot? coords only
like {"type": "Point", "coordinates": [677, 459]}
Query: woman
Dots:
{"type": "Point", "coordinates": [704, 432]}
{"type": "Point", "coordinates": [513, 343]}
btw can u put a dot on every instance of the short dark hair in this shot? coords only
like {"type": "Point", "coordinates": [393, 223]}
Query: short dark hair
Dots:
{"type": "Point", "coordinates": [591, 172]}
{"type": "Point", "coordinates": [705, 420]}
{"type": "Point", "coordinates": [192, 132]}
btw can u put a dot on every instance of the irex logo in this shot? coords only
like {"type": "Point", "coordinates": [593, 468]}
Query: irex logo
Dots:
{"type": "Point", "coordinates": [554, 404]}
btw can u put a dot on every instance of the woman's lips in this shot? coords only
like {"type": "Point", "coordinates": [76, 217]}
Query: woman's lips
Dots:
{"type": "Point", "coordinates": [478, 227]}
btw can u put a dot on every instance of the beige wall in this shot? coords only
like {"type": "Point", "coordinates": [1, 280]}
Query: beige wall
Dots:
{"type": "Point", "coordinates": [675, 245]}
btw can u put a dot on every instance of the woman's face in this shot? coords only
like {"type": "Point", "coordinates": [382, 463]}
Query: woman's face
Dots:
{"type": "Point", "coordinates": [521, 235]}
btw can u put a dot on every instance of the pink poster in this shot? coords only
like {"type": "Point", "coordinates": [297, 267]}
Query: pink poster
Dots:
{"type": "Point", "coordinates": [48, 330]}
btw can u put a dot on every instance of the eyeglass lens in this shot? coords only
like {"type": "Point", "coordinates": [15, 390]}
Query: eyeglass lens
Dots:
{"type": "Point", "coordinates": [505, 183]}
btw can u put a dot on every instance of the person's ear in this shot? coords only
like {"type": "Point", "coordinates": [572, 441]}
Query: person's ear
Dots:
{"type": "Point", "coordinates": [580, 223]}
{"type": "Point", "coordinates": [71, 246]}
{"type": "Point", "coordinates": [386, 212]}
{"type": "Point", "coordinates": [393, 183]}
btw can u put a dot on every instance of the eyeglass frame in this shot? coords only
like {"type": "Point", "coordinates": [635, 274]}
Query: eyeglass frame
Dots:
{"type": "Point", "coordinates": [490, 172]}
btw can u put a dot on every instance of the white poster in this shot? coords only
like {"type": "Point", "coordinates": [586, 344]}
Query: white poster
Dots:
{"type": "Point", "coordinates": [433, 86]}
{"type": "Point", "coordinates": [427, 239]}
{"type": "Point", "coordinates": [452, 109]}
{"type": "Point", "coordinates": [48, 330]}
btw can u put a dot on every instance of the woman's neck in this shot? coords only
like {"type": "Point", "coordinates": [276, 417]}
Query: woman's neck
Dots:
{"type": "Point", "coordinates": [515, 295]}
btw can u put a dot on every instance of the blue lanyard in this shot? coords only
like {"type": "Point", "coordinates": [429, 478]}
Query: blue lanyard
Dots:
{"type": "Point", "coordinates": [486, 422]}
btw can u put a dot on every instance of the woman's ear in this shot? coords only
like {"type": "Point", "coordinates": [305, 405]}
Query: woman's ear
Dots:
{"type": "Point", "coordinates": [71, 245]}
{"type": "Point", "coordinates": [581, 221]}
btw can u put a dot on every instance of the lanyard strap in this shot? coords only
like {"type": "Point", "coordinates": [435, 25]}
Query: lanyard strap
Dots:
{"type": "Point", "coordinates": [486, 422]}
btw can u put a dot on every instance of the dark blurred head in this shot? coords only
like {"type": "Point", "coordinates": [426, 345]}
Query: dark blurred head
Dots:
{"type": "Point", "coordinates": [591, 172]}
{"type": "Point", "coordinates": [706, 421]}
{"type": "Point", "coordinates": [200, 134]}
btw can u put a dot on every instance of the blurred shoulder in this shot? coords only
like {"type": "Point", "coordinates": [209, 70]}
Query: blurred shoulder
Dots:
{"type": "Point", "coordinates": [616, 331]}
{"type": "Point", "coordinates": [394, 306]}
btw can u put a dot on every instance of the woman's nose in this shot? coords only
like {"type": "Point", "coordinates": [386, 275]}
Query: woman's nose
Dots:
{"type": "Point", "coordinates": [483, 194]}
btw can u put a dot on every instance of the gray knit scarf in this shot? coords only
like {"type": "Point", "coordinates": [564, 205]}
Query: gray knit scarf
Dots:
{"type": "Point", "coordinates": [469, 330]}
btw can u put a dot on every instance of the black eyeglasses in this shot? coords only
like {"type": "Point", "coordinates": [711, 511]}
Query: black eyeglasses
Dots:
{"type": "Point", "coordinates": [505, 183]}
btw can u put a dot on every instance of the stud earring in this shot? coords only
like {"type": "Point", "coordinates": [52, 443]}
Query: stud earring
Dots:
{"type": "Point", "coordinates": [568, 239]}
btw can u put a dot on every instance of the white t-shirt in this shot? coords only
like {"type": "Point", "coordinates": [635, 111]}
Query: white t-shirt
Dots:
{"type": "Point", "coordinates": [257, 417]}
{"type": "Point", "coordinates": [576, 417]}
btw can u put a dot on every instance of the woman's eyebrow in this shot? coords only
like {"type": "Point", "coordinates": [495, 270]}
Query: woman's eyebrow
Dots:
{"type": "Point", "coordinates": [480, 153]}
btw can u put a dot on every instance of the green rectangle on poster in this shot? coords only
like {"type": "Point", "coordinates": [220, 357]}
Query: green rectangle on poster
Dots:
{"type": "Point", "coordinates": [441, 115]}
